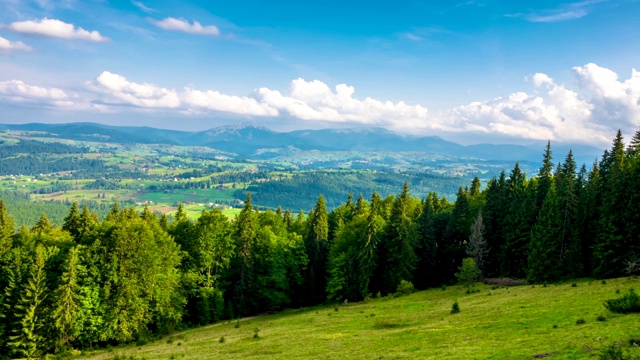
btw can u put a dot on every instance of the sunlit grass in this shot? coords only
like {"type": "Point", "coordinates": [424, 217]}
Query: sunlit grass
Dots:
{"type": "Point", "coordinates": [505, 323]}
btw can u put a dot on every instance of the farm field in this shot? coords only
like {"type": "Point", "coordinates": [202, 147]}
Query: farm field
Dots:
{"type": "Point", "coordinates": [556, 321]}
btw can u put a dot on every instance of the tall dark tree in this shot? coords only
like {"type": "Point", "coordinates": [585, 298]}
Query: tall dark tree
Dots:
{"type": "Point", "coordinates": [477, 247]}
{"type": "Point", "coordinates": [399, 242]}
{"type": "Point", "coordinates": [545, 249]}
{"type": "Point", "coordinates": [317, 248]}
{"type": "Point", "coordinates": [612, 247]}
{"type": "Point", "coordinates": [67, 302]}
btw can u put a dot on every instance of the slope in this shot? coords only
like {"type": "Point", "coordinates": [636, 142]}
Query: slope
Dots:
{"type": "Point", "coordinates": [515, 322]}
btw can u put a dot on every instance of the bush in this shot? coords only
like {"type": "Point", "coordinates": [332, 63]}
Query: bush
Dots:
{"type": "Point", "coordinates": [580, 322]}
{"type": "Point", "coordinates": [221, 341]}
{"type": "Point", "coordinates": [405, 288]}
{"type": "Point", "coordinates": [503, 281]}
{"type": "Point", "coordinates": [255, 333]}
{"type": "Point", "coordinates": [628, 303]}
{"type": "Point", "coordinates": [455, 308]}
{"type": "Point", "coordinates": [613, 352]}
{"type": "Point", "coordinates": [468, 273]}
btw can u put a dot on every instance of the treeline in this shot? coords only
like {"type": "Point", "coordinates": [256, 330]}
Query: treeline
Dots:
{"type": "Point", "coordinates": [301, 190]}
{"type": "Point", "coordinates": [26, 212]}
{"type": "Point", "coordinates": [47, 164]}
{"type": "Point", "coordinates": [38, 147]}
{"type": "Point", "coordinates": [133, 276]}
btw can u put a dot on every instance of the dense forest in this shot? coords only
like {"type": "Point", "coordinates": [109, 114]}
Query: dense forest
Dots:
{"type": "Point", "coordinates": [134, 276]}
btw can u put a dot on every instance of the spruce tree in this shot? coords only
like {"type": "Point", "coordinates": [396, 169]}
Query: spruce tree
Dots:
{"type": "Point", "coordinates": [399, 242]}
{"type": "Point", "coordinates": [67, 302]}
{"type": "Point", "coordinates": [6, 231]}
{"type": "Point", "coordinates": [72, 222]}
{"type": "Point", "coordinates": [545, 249]}
{"type": "Point", "coordinates": [317, 249]}
{"type": "Point", "coordinates": [27, 340]}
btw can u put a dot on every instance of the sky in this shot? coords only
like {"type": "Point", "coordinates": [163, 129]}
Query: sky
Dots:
{"type": "Point", "coordinates": [470, 71]}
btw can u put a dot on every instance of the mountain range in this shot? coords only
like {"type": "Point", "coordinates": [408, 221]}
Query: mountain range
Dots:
{"type": "Point", "coordinates": [249, 140]}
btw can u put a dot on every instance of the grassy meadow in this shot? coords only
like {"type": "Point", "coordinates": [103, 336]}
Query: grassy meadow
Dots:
{"type": "Point", "coordinates": [565, 321]}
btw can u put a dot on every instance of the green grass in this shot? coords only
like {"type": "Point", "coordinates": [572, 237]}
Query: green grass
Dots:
{"type": "Point", "coordinates": [507, 323]}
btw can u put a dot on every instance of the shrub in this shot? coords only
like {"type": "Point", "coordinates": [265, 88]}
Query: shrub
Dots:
{"type": "Point", "coordinates": [603, 282]}
{"type": "Point", "coordinates": [468, 273]}
{"type": "Point", "coordinates": [237, 323]}
{"type": "Point", "coordinates": [601, 318]}
{"type": "Point", "coordinates": [169, 340]}
{"type": "Point", "coordinates": [221, 341]}
{"type": "Point", "coordinates": [574, 285]}
{"type": "Point", "coordinates": [580, 322]}
{"type": "Point", "coordinates": [455, 308]}
{"type": "Point", "coordinates": [555, 326]}
{"type": "Point", "coordinates": [628, 303]}
{"type": "Point", "coordinates": [612, 352]}
{"type": "Point", "coordinates": [255, 333]}
{"type": "Point", "coordinates": [405, 288]}
{"type": "Point", "coordinates": [503, 281]}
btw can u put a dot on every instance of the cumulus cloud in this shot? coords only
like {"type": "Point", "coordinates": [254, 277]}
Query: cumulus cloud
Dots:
{"type": "Point", "coordinates": [19, 92]}
{"type": "Point", "coordinates": [173, 24]}
{"type": "Point", "coordinates": [55, 28]}
{"type": "Point", "coordinates": [315, 100]}
{"type": "Point", "coordinates": [587, 110]}
{"type": "Point", "coordinates": [7, 46]}
{"type": "Point", "coordinates": [599, 106]}
{"type": "Point", "coordinates": [117, 90]}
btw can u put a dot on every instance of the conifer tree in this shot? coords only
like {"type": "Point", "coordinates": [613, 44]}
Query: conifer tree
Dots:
{"type": "Point", "coordinates": [545, 176]}
{"type": "Point", "coordinates": [317, 249]}
{"type": "Point", "coordinates": [72, 222]}
{"type": "Point", "coordinates": [67, 302]}
{"type": "Point", "coordinates": [399, 242]}
{"type": "Point", "coordinates": [545, 249]}
{"type": "Point", "coordinates": [6, 230]}
{"type": "Point", "coordinates": [43, 225]}
{"type": "Point", "coordinates": [612, 246]}
{"type": "Point", "coordinates": [27, 340]}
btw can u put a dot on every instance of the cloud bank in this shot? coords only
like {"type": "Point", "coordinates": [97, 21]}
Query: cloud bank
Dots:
{"type": "Point", "coordinates": [596, 104]}
{"type": "Point", "coordinates": [55, 28]}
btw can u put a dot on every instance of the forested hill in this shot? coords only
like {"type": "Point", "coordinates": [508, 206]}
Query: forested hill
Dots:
{"type": "Point", "coordinates": [134, 276]}
{"type": "Point", "coordinates": [251, 141]}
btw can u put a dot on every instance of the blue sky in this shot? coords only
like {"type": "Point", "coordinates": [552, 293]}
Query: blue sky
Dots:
{"type": "Point", "coordinates": [470, 71]}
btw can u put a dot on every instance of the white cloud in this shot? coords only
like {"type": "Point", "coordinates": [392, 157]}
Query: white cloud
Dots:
{"type": "Point", "coordinates": [55, 28]}
{"type": "Point", "coordinates": [10, 46]}
{"type": "Point", "coordinates": [599, 106]}
{"type": "Point", "coordinates": [173, 24]}
{"type": "Point", "coordinates": [314, 100]}
{"type": "Point", "coordinates": [119, 90]}
{"type": "Point", "coordinates": [19, 92]}
{"type": "Point", "coordinates": [213, 100]}
{"type": "Point", "coordinates": [589, 110]}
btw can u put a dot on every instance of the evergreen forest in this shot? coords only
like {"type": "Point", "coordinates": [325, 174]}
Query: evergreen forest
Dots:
{"type": "Point", "coordinates": [132, 276]}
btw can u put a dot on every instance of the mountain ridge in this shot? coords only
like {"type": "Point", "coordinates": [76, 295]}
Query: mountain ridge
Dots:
{"type": "Point", "coordinates": [246, 139]}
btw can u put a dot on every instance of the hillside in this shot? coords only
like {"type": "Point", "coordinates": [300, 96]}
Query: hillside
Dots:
{"type": "Point", "coordinates": [504, 323]}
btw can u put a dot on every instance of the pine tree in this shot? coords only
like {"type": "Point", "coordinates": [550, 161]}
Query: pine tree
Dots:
{"type": "Point", "coordinates": [317, 249]}
{"type": "Point", "coordinates": [570, 248]}
{"type": "Point", "coordinates": [545, 249]}
{"type": "Point", "coordinates": [27, 340]}
{"type": "Point", "coordinates": [66, 306]}
{"type": "Point", "coordinates": [612, 247]}
{"type": "Point", "coordinates": [457, 233]}
{"type": "Point", "coordinates": [475, 187]}
{"type": "Point", "coordinates": [72, 222]}
{"type": "Point", "coordinates": [399, 242]}
{"type": "Point", "coordinates": [43, 225]}
{"type": "Point", "coordinates": [545, 176]}
{"type": "Point", "coordinates": [368, 252]}
{"type": "Point", "coordinates": [6, 230]}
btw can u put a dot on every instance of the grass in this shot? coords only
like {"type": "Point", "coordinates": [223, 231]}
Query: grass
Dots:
{"type": "Point", "coordinates": [515, 322]}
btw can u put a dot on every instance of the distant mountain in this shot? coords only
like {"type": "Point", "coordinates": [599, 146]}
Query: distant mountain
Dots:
{"type": "Point", "coordinates": [251, 140]}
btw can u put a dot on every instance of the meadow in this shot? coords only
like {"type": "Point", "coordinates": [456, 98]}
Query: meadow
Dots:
{"type": "Point", "coordinates": [563, 321]}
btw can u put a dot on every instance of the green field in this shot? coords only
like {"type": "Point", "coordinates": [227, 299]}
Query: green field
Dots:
{"type": "Point", "coordinates": [503, 323]}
